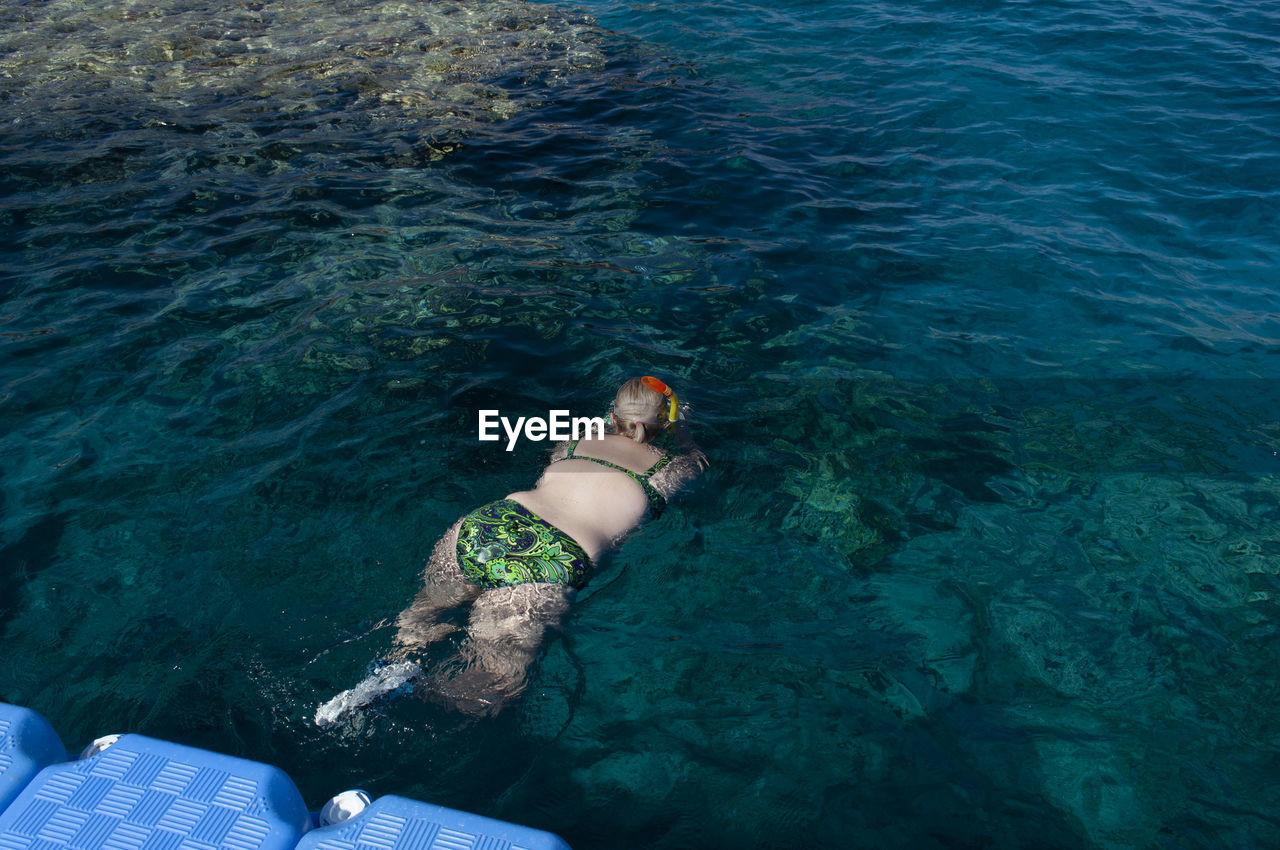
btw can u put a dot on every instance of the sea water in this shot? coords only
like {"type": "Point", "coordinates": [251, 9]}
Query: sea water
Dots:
{"type": "Point", "coordinates": [975, 304]}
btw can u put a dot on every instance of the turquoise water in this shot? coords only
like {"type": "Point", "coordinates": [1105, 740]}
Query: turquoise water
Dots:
{"type": "Point", "coordinates": [975, 303]}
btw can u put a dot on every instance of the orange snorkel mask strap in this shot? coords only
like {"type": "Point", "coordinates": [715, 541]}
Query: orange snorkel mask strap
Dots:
{"type": "Point", "coordinates": [658, 387]}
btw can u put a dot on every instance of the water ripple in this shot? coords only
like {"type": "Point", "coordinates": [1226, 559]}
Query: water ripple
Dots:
{"type": "Point", "coordinates": [975, 301]}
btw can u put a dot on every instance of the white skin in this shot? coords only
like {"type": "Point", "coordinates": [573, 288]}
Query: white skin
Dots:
{"type": "Point", "coordinates": [596, 506]}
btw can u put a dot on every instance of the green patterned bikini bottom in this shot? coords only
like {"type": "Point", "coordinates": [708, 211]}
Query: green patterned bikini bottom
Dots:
{"type": "Point", "coordinates": [504, 544]}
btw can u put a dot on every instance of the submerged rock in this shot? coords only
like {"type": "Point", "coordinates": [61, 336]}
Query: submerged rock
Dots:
{"type": "Point", "coordinates": [454, 63]}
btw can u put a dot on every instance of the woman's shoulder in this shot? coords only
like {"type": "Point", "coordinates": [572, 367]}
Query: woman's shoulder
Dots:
{"type": "Point", "coordinates": [560, 451]}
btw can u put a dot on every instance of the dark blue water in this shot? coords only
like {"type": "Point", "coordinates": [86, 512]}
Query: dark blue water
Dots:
{"type": "Point", "coordinates": [976, 304]}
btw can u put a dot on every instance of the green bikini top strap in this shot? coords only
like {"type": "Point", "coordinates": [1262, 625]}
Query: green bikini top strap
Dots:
{"type": "Point", "coordinates": [638, 476]}
{"type": "Point", "coordinates": [662, 461]}
{"type": "Point", "coordinates": [657, 502]}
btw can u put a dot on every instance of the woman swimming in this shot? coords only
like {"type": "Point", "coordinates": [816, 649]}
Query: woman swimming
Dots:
{"type": "Point", "coordinates": [520, 560]}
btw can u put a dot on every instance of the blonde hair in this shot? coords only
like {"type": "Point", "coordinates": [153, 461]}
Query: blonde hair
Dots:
{"type": "Point", "coordinates": [638, 411]}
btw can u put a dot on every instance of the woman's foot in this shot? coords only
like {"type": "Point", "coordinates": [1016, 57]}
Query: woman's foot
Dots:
{"type": "Point", "coordinates": [381, 682]}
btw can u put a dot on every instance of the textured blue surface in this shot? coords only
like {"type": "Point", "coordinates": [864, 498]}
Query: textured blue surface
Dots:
{"type": "Point", "coordinates": [144, 793]}
{"type": "Point", "coordinates": [27, 744]}
{"type": "Point", "coordinates": [404, 824]}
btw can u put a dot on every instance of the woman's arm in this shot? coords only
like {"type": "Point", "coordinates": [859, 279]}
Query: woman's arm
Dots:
{"type": "Point", "coordinates": [685, 466]}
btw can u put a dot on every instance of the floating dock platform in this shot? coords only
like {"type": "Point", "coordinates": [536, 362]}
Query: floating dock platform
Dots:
{"type": "Point", "coordinates": [145, 794]}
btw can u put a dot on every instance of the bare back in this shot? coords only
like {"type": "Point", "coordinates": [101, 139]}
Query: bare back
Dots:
{"type": "Point", "coordinates": [593, 504]}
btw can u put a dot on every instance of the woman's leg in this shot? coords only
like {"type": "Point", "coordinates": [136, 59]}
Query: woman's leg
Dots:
{"type": "Point", "coordinates": [507, 628]}
{"type": "Point", "coordinates": [444, 588]}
